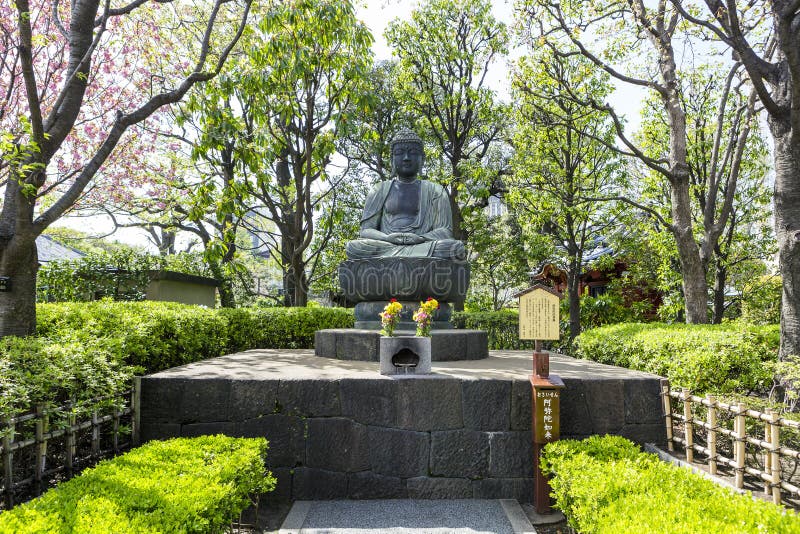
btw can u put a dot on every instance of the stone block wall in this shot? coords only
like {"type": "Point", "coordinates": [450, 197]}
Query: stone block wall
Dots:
{"type": "Point", "coordinates": [404, 437]}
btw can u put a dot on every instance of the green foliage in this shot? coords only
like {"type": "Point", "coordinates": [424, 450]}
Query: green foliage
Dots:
{"type": "Point", "coordinates": [150, 335]}
{"type": "Point", "coordinates": [502, 327]}
{"type": "Point", "coordinates": [761, 300]}
{"type": "Point", "coordinates": [726, 358]}
{"type": "Point", "coordinates": [267, 328]}
{"type": "Point", "coordinates": [87, 350]}
{"type": "Point", "coordinates": [39, 370]}
{"type": "Point", "coordinates": [268, 125]}
{"type": "Point", "coordinates": [178, 486]}
{"type": "Point", "coordinates": [121, 274]}
{"type": "Point", "coordinates": [608, 308]}
{"type": "Point", "coordinates": [562, 166]}
{"type": "Point", "coordinates": [159, 335]}
{"type": "Point", "coordinates": [500, 266]}
{"type": "Point", "coordinates": [605, 485]}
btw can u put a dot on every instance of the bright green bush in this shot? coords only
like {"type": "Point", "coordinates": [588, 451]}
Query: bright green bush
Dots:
{"type": "Point", "coordinates": [91, 349]}
{"type": "Point", "coordinates": [291, 328]}
{"type": "Point", "coordinates": [160, 335]}
{"type": "Point", "coordinates": [502, 328]}
{"type": "Point", "coordinates": [181, 485]}
{"type": "Point", "coordinates": [151, 335]}
{"type": "Point", "coordinates": [605, 485]}
{"type": "Point", "coordinates": [726, 358]}
{"type": "Point", "coordinates": [37, 370]}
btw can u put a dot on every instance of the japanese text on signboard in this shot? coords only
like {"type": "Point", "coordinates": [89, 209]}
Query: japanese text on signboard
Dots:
{"type": "Point", "coordinates": [538, 315]}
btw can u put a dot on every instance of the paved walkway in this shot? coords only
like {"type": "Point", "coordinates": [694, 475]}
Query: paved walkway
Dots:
{"type": "Point", "coordinates": [468, 516]}
{"type": "Point", "coordinates": [302, 364]}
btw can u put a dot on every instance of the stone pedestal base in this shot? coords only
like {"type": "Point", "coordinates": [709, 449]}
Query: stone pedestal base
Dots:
{"type": "Point", "coordinates": [405, 355]}
{"type": "Point", "coordinates": [364, 345]}
{"type": "Point", "coordinates": [367, 317]}
{"type": "Point", "coordinates": [411, 279]}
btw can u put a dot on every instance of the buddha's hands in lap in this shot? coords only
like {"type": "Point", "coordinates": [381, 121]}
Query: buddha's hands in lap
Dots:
{"type": "Point", "coordinates": [404, 238]}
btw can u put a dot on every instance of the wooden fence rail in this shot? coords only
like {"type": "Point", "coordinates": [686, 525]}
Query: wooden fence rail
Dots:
{"type": "Point", "coordinates": [770, 447]}
{"type": "Point", "coordinates": [17, 438]}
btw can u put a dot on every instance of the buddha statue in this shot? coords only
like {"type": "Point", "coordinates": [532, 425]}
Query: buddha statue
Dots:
{"type": "Point", "coordinates": [406, 216]}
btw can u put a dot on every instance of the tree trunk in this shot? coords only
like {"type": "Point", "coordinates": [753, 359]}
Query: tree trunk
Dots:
{"type": "Point", "coordinates": [787, 230]}
{"type": "Point", "coordinates": [695, 286]}
{"type": "Point", "coordinates": [167, 246]}
{"type": "Point", "coordinates": [574, 300]}
{"type": "Point", "coordinates": [301, 284]}
{"type": "Point", "coordinates": [720, 278]}
{"type": "Point", "coordinates": [289, 281]}
{"type": "Point", "coordinates": [226, 297]}
{"type": "Point", "coordinates": [19, 261]}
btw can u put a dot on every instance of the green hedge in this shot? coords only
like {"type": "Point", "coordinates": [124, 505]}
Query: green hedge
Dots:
{"type": "Point", "coordinates": [290, 328]}
{"type": "Point", "coordinates": [159, 335]}
{"type": "Point", "coordinates": [181, 485]}
{"type": "Point", "coordinates": [606, 485]}
{"type": "Point", "coordinates": [151, 335]}
{"type": "Point", "coordinates": [726, 358]}
{"type": "Point", "coordinates": [38, 370]}
{"type": "Point", "coordinates": [89, 349]}
{"type": "Point", "coordinates": [501, 326]}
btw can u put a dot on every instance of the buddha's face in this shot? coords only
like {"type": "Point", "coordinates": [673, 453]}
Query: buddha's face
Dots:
{"type": "Point", "coordinates": [407, 160]}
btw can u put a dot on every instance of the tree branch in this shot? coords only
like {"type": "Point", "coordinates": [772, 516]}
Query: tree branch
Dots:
{"type": "Point", "coordinates": [123, 121]}
{"type": "Point", "coordinates": [28, 73]}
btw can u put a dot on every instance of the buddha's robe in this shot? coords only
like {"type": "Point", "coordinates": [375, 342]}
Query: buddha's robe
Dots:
{"type": "Point", "coordinates": [389, 209]}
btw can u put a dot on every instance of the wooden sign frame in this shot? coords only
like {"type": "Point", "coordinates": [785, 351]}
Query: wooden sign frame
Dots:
{"type": "Point", "coordinates": [539, 320]}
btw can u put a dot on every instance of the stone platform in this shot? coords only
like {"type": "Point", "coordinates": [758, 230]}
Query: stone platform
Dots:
{"type": "Point", "coordinates": [363, 345]}
{"type": "Point", "coordinates": [338, 429]}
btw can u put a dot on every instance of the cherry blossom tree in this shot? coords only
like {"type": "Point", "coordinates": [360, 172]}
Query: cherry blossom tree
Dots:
{"type": "Point", "coordinates": [77, 80]}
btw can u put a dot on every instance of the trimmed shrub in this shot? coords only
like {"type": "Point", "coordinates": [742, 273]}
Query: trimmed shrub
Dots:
{"type": "Point", "coordinates": [160, 335]}
{"type": "Point", "coordinates": [37, 370]}
{"type": "Point", "coordinates": [502, 328]}
{"type": "Point", "coordinates": [606, 485]}
{"type": "Point", "coordinates": [92, 349]}
{"type": "Point", "coordinates": [150, 335]}
{"type": "Point", "coordinates": [290, 328]}
{"type": "Point", "coordinates": [726, 358]}
{"type": "Point", "coordinates": [181, 485]}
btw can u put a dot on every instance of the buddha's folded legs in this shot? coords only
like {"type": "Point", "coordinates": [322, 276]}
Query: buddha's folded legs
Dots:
{"type": "Point", "coordinates": [359, 249]}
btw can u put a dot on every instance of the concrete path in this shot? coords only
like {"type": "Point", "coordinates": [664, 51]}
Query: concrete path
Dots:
{"type": "Point", "coordinates": [468, 516]}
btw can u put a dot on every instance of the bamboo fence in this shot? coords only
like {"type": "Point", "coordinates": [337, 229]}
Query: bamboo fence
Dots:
{"type": "Point", "coordinates": [769, 470]}
{"type": "Point", "coordinates": [28, 436]}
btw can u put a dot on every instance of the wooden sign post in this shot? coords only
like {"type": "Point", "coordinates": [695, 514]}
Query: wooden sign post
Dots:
{"type": "Point", "coordinates": [539, 320]}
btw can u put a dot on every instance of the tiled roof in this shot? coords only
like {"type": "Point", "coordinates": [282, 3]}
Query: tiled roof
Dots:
{"type": "Point", "coordinates": [51, 250]}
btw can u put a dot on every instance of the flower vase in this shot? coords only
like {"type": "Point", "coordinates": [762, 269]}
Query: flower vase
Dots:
{"type": "Point", "coordinates": [405, 355]}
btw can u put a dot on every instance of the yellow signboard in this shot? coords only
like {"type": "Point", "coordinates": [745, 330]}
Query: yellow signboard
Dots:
{"type": "Point", "coordinates": [538, 314]}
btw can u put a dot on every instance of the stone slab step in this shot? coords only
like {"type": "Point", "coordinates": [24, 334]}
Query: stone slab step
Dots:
{"type": "Point", "coordinates": [460, 516]}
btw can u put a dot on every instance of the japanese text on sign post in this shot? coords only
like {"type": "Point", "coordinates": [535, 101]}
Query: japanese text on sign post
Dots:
{"type": "Point", "coordinates": [546, 419]}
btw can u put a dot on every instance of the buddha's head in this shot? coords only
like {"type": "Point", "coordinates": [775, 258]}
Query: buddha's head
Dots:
{"type": "Point", "coordinates": [407, 154]}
